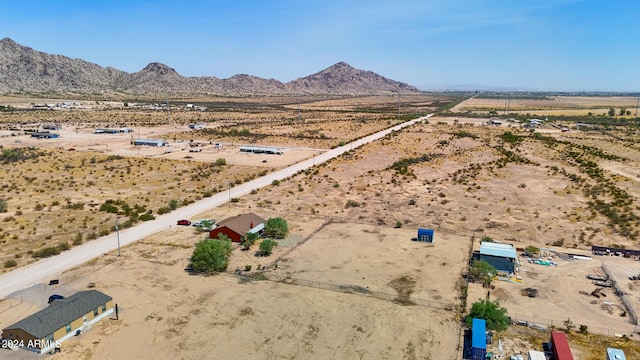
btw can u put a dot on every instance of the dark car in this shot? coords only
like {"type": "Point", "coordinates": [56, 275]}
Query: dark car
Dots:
{"type": "Point", "coordinates": [184, 222]}
{"type": "Point", "coordinates": [55, 297]}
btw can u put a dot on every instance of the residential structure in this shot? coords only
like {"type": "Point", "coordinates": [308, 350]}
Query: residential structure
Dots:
{"type": "Point", "coordinates": [62, 319]}
{"type": "Point", "coordinates": [235, 228]}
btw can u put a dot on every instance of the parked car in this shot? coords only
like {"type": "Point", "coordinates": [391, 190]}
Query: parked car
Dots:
{"type": "Point", "coordinates": [55, 297]}
{"type": "Point", "coordinates": [184, 222]}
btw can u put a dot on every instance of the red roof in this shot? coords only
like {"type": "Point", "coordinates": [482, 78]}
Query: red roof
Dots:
{"type": "Point", "coordinates": [561, 348]}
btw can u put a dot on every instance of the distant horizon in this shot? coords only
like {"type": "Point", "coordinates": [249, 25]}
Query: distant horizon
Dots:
{"type": "Point", "coordinates": [549, 45]}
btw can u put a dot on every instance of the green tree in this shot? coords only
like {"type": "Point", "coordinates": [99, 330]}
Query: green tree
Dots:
{"type": "Point", "coordinates": [622, 111]}
{"type": "Point", "coordinates": [612, 112]}
{"type": "Point", "coordinates": [3, 205]}
{"type": "Point", "coordinates": [495, 316]}
{"type": "Point", "coordinates": [266, 246]}
{"type": "Point", "coordinates": [483, 271]}
{"type": "Point", "coordinates": [221, 162]}
{"type": "Point", "coordinates": [276, 228]}
{"type": "Point", "coordinates": [531, 249]}
{"type": "Point", "coordinates": [249, 240]}
{"type": "Point", "coordinates": [211, 255]}
{"type": "Point", "coordinates": [487, 239]}
{"type": "Point", "coordinates": [173, 204]}
{"type": "Point", "coordinates": [207, 224]}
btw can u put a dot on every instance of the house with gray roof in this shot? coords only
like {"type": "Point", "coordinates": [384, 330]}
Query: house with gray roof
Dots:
{"type": "Point", "coordinates": [62, 319]}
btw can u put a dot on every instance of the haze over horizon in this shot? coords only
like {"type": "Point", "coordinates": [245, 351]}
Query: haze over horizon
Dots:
{"type": "Point", "coordinates": [555, 45]}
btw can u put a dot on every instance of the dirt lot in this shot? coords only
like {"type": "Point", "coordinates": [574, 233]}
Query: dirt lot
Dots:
{"type": "Point", "coordinates": [165, 312]}
{"type": "Point", "coordinates": [566, 191]}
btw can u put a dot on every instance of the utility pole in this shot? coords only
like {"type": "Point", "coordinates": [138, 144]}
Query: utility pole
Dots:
{"type": "Point", "coordinates": [168, 113]}
{"type": "Point", "coordinates": [398, 105]}
{"type": "Point", "coordinates": [118, 235]}
{"type": "Point", "coordinates": [229, 194]}
{"type": "Point", "coordinates": [298, 108]}
{"type": "Point", "coordinates": [637, 103]}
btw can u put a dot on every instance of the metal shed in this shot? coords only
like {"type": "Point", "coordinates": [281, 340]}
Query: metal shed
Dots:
{"type": "Point", "coordinates": [503, 257]}
{"type": "Point", "coordinates": [478, 339]}
{"type": "Point", "coordinates": [615, 354]}
{"type": "Point", "coordinates": [425, 235]}
{"type": "Point", "coordinates": [148, 142]}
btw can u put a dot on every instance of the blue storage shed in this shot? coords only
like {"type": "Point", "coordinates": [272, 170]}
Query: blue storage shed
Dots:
{"type": "Point", "coordinates": [425, 235]}
{"type": "Point", "coordinates": [478, 339]}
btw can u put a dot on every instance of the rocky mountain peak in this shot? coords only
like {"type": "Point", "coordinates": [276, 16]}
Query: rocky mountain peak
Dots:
{"type": "Point", "coordinates": [24, 70]}
{"type": "Point", "coordinates": [159, 69]}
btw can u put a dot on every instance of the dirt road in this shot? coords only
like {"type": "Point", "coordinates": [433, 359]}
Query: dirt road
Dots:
{"type": "Point", "coordinates": [51, 268]}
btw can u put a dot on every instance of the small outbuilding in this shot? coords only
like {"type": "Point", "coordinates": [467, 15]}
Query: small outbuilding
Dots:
{"type": "Point", "coordinates": [560, 346]}
{"type": "Point", "coordinates": [478, 339]}
{"type": "Point", "coordinates": [62, 319]}
{"type": "Point", "coordinates": [536, 355]}
{"type": "Point", "coordinates": [425, 235]}
{"type": "Point", "coordinates": [615, 354]}
{"type": "Point", "coordinates": [235, 228]}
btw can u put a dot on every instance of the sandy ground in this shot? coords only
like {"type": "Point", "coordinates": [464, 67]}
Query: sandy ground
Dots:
{"type": "Point", "coordinates": [120, 144]}
{"type": "Point", "coordinates": [165, 312]}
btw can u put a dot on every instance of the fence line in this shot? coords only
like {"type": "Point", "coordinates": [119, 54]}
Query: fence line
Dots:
{"type": "Point", "coordinates": [12, 303]}
{"type": "Point", "coordinates": [623, 297]}
{"type": "Point", "coordinates": [544, 324]}
{"type": "Point", "coordinates": [298, 244]}
{"type": "Point", "coordinates": [359, 290]}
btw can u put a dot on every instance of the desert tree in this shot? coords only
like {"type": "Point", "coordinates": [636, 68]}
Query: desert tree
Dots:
{"type": "Point", "coordinates": [249, 240]}
{"type": "Point", "coordinates": [495, 316]}
{"type": "Point", "coordinates": [483, 271]}
{"type": "Point", "coordinates": [4, 206]}
{"type": "Point", "coordinates": [276, 228]}
{"type": "Point", "coordinates": [266, 246]}
{"type": "Point", "coordinates": [211, 255]}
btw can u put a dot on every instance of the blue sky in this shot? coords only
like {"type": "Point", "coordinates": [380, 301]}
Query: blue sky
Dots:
{"type": "Point", "coordinates": [589, 45]}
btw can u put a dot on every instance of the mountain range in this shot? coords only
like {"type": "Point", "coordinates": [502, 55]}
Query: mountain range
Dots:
{"type": "Point", "coordinates": [24, 70]}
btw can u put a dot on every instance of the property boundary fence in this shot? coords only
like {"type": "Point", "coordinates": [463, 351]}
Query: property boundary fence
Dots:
{"type": "Point", "coordinates": [299, 243]}
{"type": "Point", "coordinates": [359, 290]}
{"type": "Point", "coordinates": [623, 297]}
{"type": "Point", "coordinates": [12, 303]}
{"type": "Point", "coordinates": [544, 324]}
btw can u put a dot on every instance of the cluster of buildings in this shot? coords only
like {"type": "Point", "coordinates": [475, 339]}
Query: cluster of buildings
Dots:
{"type": "Point", "coordinates": [558, 348]}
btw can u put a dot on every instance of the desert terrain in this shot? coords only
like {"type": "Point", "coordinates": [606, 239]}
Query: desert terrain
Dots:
{"type": "Point", "coordinates": [333, 295]}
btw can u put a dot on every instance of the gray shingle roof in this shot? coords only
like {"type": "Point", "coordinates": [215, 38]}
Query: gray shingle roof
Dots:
{"type": "Point", "coordinates": [61, 313]}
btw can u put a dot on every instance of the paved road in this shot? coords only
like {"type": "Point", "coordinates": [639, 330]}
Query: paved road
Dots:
{"type": "Point", "coordinates": [51, 268]}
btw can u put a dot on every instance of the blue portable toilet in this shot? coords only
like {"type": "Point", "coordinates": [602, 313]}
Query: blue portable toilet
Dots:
{"type": "Point", "coordinates": [478, 339]}
{"type": "Point", "coordinates": [425, 235]}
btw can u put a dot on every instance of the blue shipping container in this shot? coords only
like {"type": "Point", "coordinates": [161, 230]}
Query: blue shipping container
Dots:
{"type": "Point", "coordinates": [478, 339]}
{"type": "Point", "coordinates": [478, 354]}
